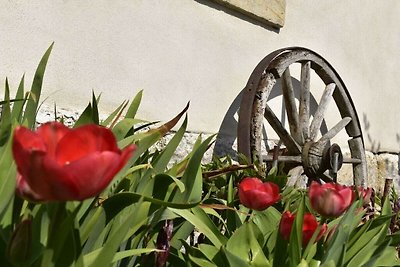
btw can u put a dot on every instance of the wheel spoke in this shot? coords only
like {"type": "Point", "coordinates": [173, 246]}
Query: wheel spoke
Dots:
{"type": "Point", "coordinates": [294, 175]}
{"type": "Point", "coordinates": [295, 159]}
{"type": "Point", "coordinates": [304, 106]}
{"type": "Point", "coordinates": [335, 130]}
{"type": "Point", "coordinates": [288, 140]}
{"type": "Point", "coordinates": [326, 178]}
{"type": "Point", "coordinates": [290, 104]}
{"type": "Point", "coordinates": [320, 113]}
{"type": "Point", "coordinates": [352, 160]}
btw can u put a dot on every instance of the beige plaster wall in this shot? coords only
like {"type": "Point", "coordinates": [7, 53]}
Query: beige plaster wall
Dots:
{"type": "Point", "coordinates": [181, 50]}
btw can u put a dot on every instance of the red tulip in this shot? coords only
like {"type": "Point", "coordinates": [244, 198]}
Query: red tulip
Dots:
{"type": "Point", "coordinates": [365, 194]}
{"type": "Point", "coordinates": [330, 199]}
{"type": "Point", "coordinates": [255, 194]}
{"type": "Point", "coordinates": [57, 163]}
{"type": "Point", "coordinates": [310, 225]}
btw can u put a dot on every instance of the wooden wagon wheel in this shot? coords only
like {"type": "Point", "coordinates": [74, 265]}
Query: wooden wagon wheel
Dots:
{"type": "Point", "coordinates": [305, 143]}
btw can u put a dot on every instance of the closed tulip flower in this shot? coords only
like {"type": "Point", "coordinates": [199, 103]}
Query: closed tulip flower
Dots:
{"type": "Point", "coordinates": [57, 163]}
{"type": "Point", "coordinates": [330, 199]}
{"type": "Point", "coordinates": [310, 225]}
{"type": "Point", "coordinates": [365, 194]}
{"type": "Point", "coordinates": [255, 194]}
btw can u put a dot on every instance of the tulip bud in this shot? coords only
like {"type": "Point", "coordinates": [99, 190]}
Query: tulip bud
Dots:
{"type": "Point", "coordinates": [310, 225]}
{"type": "Point", "coordinates": [19, 246]}
{"type": "Point", "coordinates": [255, 194]}
{"type": "Point", "coordinates": [330, 199]}
{"type": "Point", "coordinates": [365, 194]}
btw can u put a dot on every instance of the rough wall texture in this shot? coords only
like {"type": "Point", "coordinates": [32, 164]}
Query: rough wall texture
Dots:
{"type": "Point", "coordinates": [200, 51]}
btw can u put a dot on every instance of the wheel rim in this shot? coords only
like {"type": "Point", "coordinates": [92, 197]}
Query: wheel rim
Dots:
{"type": "Point", "coordinates": [304, 146]}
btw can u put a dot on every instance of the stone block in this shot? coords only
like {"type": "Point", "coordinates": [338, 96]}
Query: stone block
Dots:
{"type": "Point", "coordinates": [387, 168]}
{"type": "Point", "coordinates": [345, 174]}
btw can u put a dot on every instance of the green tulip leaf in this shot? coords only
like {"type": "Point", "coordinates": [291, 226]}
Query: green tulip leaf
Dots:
{"type": "Point", "coordinates": [115, 115]}
{"type": "Point", "coordinates": [209, 251]}
{"type": "Point", "coordinates": [122, 128]}
{"type": "Point", "coordinates": [122, 225]}
{"type": "Point", "coordinates": [114, 204]}
{"type": "Point", "coordinates": [86, 117]}
{"type": "Point", "coordinates": [18, 106]}
{"type": "Point", "coordinates": [182, 232]}
{"type": "Point", "coordinates": [5, 120]}
{"type": "Point", "coordinates": [296, 235]}
{"type": "Point", "coordinates": [246, 243]}
{"type": "Point", "coordinates": [133, 108]}
{"type": "Point", "coordinates": [197, 257]}
{"type": "Point", "coordinates": [90, 114]}
{"type": "Point", "coordinates": [8, 175]}
{"type": "Point", "coordinates": [337, 246]}
{"type": "Point", "coordinates": [192, 177]}
{"type": "Point", "coordinates": [34, 95]}
{"type": "Point", "coordinates": [151, 136]}
{"type": "Point", "coordinates": [199, 219]}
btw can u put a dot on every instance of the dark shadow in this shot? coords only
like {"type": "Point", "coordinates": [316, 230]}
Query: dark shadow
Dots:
{"type": "Point", "coordinates": [227, 133]}
{"type": "Point", "coordinates": [237, 14]}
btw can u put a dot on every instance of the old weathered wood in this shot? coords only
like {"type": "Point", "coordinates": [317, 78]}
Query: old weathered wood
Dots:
{"type": "Point", "coordinates": [257, 122]}
{"type": "Point", "coordinates": [328, 75]}
{"type": "Point", "coordinates": [335, 130]}
{"type": "Point", "coordinates": [304, 106]}
{"type": "Point", "coordinates": [321, 109]}
{"type": "Point", "coordinates": [295, 175]}
{"type": "Point", "coordinates": [244, 128]}
{"type": "Point", "coordinates": [286, 138]}
{"type": "Point", "coordinates": [293, 159]}
{"type": "Point", "coordinates": [302, 147]}
{"type": "Point", "coordinates": [360, 173]}
{"type": "Point", "coordinates": [290, 104]}
{"type": "Point", "coordinates": [352, 160]}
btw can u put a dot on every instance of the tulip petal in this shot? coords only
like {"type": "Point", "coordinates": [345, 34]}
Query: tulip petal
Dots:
{"type": "Point", "coordinates": [347, 195]}
{"type": "Point", "coordinates": [51, 133]}
{"type": "Point", "coordinates": [84, 140]}
{"type": "Point", "coordinates": [255, 194]}
{"type": "Point", "coordinates": [94, 172]}
{"type": "Point", "coordinates": [48, 180]}
{"type": "Point", "coordinates": [250, 183]}
{"type": "Point", "coordinates": [330, 199]}
{"type": "Point", "coordinates": [24, 143]}
{"type": "Point", "coordinates": [24, 190]}
{"type": "Point", "coordinates": [285, 225]}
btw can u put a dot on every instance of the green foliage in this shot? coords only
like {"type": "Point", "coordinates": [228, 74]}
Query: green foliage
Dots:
{"type": "Point", "coordinates": [125, 225]}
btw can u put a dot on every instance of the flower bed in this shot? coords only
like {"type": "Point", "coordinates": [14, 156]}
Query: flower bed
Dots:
{"type": "Point", "coordinates": [99, 194]}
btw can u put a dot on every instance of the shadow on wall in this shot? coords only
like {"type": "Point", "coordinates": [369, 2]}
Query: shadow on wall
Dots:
{"type": "Point", "coordinates": [226, 139]}
{"type": "Point", "coordinates": [375, 147]}
{"type": "Point", "coordinates": [375, 144]}
{"type": "Point", "coordinates": [236, 14]}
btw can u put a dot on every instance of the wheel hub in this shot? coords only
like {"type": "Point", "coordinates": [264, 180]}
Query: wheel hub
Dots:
{"type": "Point", "coordinates": [317, 157]}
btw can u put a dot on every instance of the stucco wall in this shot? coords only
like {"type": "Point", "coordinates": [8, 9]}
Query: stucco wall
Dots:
{"type": "Point", "coordinates": [181, 50]}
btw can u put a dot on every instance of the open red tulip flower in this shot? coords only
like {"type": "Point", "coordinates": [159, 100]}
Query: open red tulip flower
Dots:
{"type": "Point", "coordinates": [330, 199]}
{"type": "Point", "coordinates": [255, 194]}
{"type": "Point", "coordinates": [57, 163]}
{"type": "Point", "coordinates": [310, 225]}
